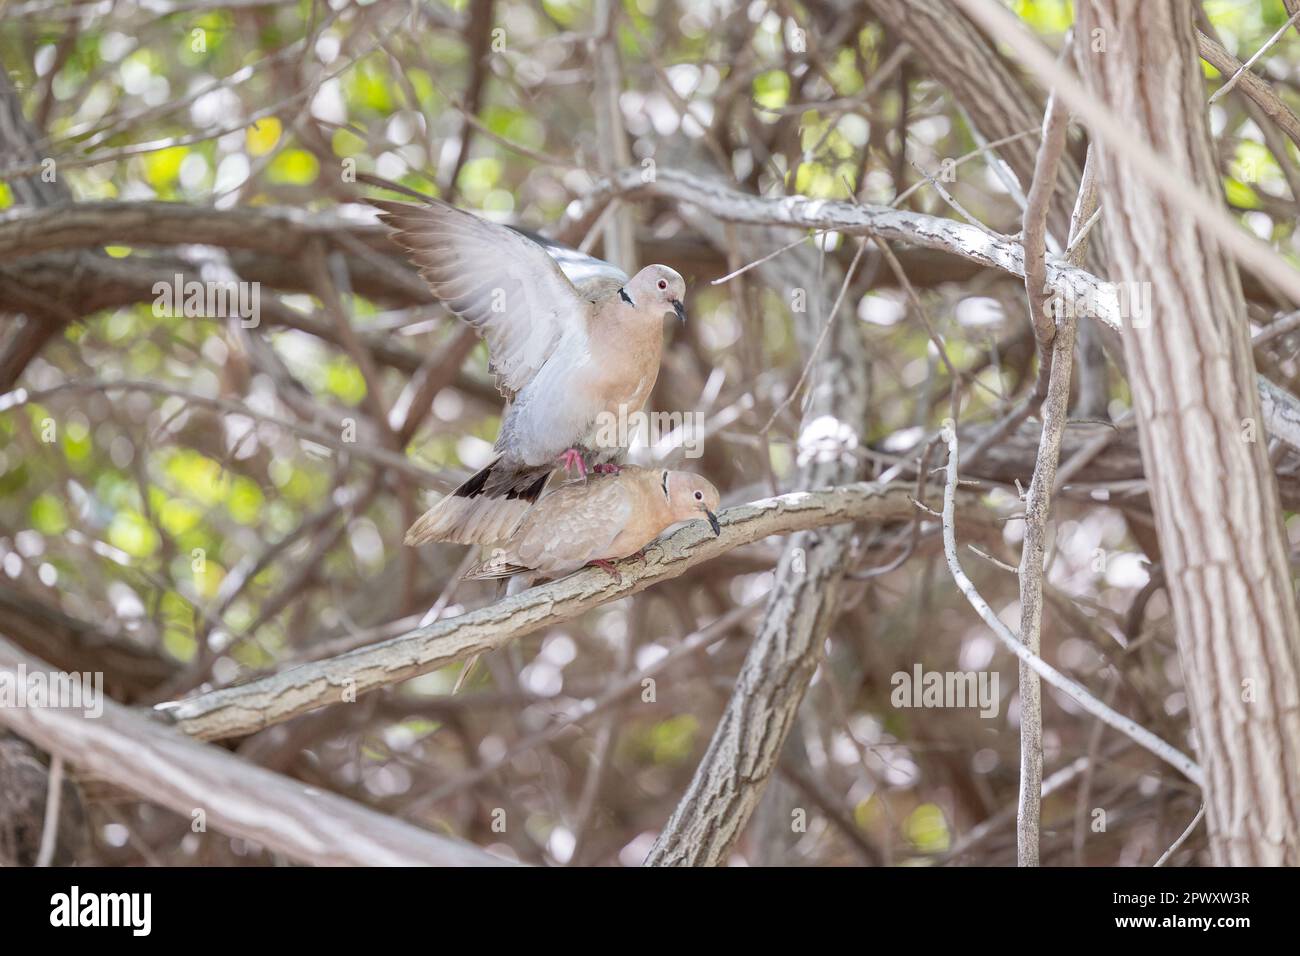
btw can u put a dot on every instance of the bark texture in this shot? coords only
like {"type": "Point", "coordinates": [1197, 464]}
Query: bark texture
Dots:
{"type": "Point", "coordinates": [1214, 497]}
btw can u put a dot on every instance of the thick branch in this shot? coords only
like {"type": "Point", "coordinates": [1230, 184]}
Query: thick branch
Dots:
{"type": "Point", "coordinates": [163, 767]}
{"type": "Point", "coordinates": [241, 710]}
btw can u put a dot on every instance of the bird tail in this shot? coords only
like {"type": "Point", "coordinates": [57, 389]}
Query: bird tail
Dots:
{"type": "Point", "coordinates": [484, 509]}
{"type": "Point", "coordinates": [492, 568]}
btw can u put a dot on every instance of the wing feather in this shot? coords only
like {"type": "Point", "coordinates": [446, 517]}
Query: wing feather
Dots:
{"type": "Point", "coordinates": [580, 526]}
{"type": "Point", "coordinates": [504, 284]}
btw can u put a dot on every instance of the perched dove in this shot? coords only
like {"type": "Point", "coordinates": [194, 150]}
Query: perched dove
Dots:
{"type": "Point", "coordinates": [607, 517]}
{"type": "Point", "coordinates": [566, 352]}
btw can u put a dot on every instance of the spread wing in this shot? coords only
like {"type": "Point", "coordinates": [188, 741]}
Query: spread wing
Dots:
{"type": "Point", "coordinates": [593, 278]}
{"type": "Point", "coordinates": [498, 280]}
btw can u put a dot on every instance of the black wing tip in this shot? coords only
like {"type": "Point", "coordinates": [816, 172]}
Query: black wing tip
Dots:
{"type": "Point", "coordinates": [532, 492]}
{"type": "Point", "coordinates": [473, 487]}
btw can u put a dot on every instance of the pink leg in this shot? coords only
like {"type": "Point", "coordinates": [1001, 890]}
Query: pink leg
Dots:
{"type": "Point", "coordinates": [572, 459]}
{"type": "Point", "coordinates": [609, 567]}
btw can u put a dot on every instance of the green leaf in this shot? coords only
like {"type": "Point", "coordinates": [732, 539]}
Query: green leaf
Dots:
{"type": "Point", "coordinates": [772, 89]}
{"type": "Point", "coordinates": [673, 740]}
{"type": "Point", "coordinates": [48, 516]}
{"type": "Point", "coordinates": [344, 380]}
{"type": "Point", "coordinates": [198, 475]}
{"type": "Point", "coordinates": [293, 167]}
{"type": "Point", "coordinates": [926, 829]}
{"type": "Point", "coordinates": [130, 532]}
{"type": "Point", "coordinates": [178, 516]}
{"type": "Point", "coordinates": [245, 501]}
{"type": "Point", "coordinates": [261, 137]}
{"type": "Point", "coordinates": [162, 166]}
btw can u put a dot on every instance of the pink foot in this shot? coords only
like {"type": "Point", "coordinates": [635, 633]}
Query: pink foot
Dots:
{"type": "Point", "coordinates": [609, 567]}
{"type": "Point", "coordinates": [571, 460]}
{"type": "Point", "coordinates": [609, 469]}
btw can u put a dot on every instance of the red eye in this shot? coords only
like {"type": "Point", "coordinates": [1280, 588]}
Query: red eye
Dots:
{"type": "Point", "coordinates": [662, 284]}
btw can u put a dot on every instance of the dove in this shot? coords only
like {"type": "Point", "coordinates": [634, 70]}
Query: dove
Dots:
{"type": "Point", "coordinates": [602, 519]}
{"type": "Point", "coordinates": [565, 355]}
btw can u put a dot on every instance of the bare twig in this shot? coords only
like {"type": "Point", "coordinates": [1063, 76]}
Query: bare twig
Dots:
{"type": "Point", "coordinates": [1164, 857]}
{"type": "Point", "coordinates": [1251, 85]}
{"type": "Point", "coordinates": [50, 830]}
{"type": "Point", "coordinates": [1245, 67]}
{"type": "Point", "coordinates": [1055, 350]}
{"type": "Point", "coordinates": [1130, 728]}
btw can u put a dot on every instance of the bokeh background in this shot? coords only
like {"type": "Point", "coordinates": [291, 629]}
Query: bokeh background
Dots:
{"type": "Point", "coordinates": [182, 505]}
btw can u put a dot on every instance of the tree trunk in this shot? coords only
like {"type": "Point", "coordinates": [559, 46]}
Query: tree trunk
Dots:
{"type": "Point", "coordinates": [1214, 496]}
{"type": "Point", "coordinates": [804, 601]}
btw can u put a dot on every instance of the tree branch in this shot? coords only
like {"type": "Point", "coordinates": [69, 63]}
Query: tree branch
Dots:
{"type": "Point", "coordinates": [246, 708]}
{"type": "Point", "coordinates": [1088, 294]}
{"type": "Point", "coordinates": [1252, 86]}
{"type": "Point", "coordinates": [1080, 695]}
{"type": "Point", "coordinates": [163, 767]}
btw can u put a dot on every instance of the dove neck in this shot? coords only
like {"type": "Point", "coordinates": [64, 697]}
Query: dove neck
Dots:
{"type": "Point", "coordinates": [626, 332]}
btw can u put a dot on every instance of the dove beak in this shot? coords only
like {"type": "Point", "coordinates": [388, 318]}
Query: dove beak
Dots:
{"type": "Point", "coordinates": [679, 309]}
{"type": "Point", "coordinates": [713, 523]}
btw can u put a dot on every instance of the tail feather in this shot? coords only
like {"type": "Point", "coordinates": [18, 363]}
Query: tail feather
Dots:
{"type": "Point", "coordinates": [489, 569]}
{"type": "Point", "coordinates": [484, 509]}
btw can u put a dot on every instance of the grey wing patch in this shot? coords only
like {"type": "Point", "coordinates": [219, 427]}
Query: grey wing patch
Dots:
{"type": "Point", "coordinates": [589, 275]}
{"type": "Point", "coordinates": [597, 288]}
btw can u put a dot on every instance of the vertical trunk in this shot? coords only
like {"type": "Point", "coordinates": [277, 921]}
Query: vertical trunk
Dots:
{"type": "Point", "coordinates": [18, 147]}
{"type": "Point", "coordinates": [1214, 495]}
{"type": "Point", "coordinates": [803, 603]}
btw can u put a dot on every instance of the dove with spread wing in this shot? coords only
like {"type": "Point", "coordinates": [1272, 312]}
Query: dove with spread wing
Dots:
{"type": "Point", "coordinates": [565, 353]}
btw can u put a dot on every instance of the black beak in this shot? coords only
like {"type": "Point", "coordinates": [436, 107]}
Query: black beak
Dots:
{"type": "Point", "coordinates": [713, 523]}
{"type": "Point", "coordinates": [680, 310]}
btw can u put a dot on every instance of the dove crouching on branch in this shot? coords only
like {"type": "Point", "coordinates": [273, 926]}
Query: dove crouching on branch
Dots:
{"type": "Point", "coordinates": [608, 517]}
{"type": "Point", "coordinates": [567, 354]}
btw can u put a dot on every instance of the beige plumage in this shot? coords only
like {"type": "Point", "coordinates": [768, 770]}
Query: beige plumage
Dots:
{"type": "Point", "coordinates": [602, 519]}
{"type": "Point", "coordinates": [565, 353]}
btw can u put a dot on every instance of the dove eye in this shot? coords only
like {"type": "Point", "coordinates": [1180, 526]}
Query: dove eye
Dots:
{"type": "Point", "coordinates": [662, 284]}
{"type": "Point", "coordinates": [699, 496]}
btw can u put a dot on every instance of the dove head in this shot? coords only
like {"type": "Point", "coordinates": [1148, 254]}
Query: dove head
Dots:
{"type": "Point", "coordinates": [690, 496]}
{"type": "Point", "coordinates": [658, 289]}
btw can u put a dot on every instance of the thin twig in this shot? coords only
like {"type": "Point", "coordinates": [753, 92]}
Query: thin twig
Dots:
{"type": "Point", "coordinates": [1080, 695]}
{"type": "Point", "coordinates": [1056, 352]}
{"type": "Point", "coordinates": [50, 830]}
{"type": "Point", "coordinates": [821, 339]}
{"type": "Point", "coordinates": [1245, 67]}
{"type": "Point", "coordinates": [1164, 857]}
